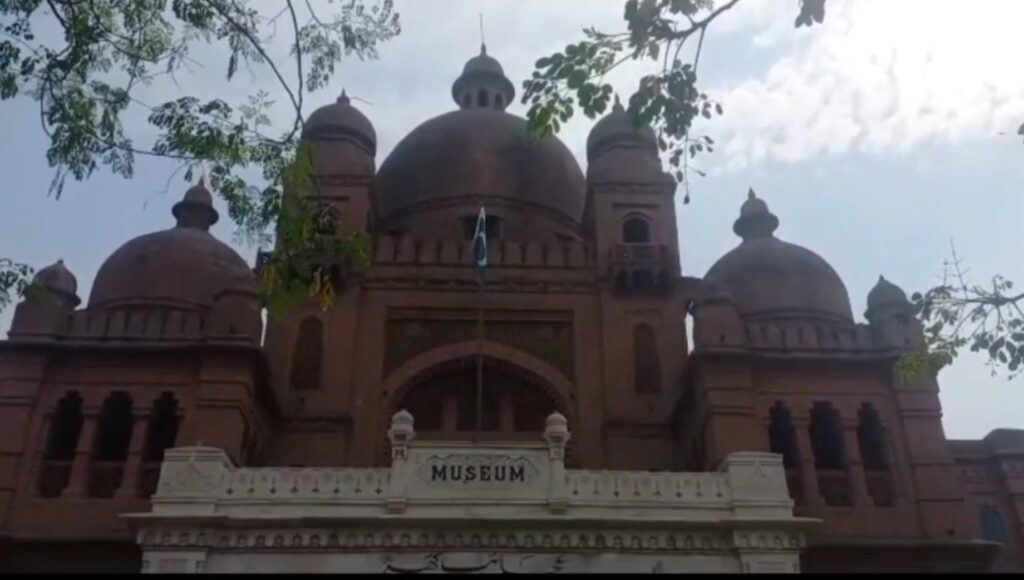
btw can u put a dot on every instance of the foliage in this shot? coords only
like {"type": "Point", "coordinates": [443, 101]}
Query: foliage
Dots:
{"type": "Point", "coordinates": [960, 314]}
{"type": "Point", "coordinates": [667, 99]}
{"type": "Point", "coordinates": [311, 261]}
{"type": "Point", "coordinates": [956, 314]}
{"type": "Point", "coordinates": [14, 281]}
{"type": "Point", "coordinates": [87, 83]}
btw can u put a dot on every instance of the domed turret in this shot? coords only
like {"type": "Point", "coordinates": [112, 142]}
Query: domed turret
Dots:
{"type": "Point", "coordinates": [617, 129]}
{"type": "Point", "coordinates": [886, 294]}
{"type": "Point", "coordinates": [774, 279]}
{"type": "Point", "coordinates": [183, 265]}
{"type": "Point", "coordinates": [58, 279]}
{"type": "Point", "coordinates": [620, 152]}
{"type": "Point", "coordinates": [483, 84]}
{"type": "Point", "coordinates": [341, 121]}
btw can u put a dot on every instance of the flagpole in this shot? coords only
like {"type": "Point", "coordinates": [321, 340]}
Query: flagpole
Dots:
{"type": "Point", "coordinates": [479, 360]}
{"type": "Point", "coordinates": [480, 259]}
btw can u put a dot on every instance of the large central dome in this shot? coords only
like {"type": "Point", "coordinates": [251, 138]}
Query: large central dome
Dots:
{"type": "Point", "coordinates": [477, 154]}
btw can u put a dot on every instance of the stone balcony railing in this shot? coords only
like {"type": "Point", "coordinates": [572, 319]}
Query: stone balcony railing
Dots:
{"type": "Point", "coordinates": [468, 501]}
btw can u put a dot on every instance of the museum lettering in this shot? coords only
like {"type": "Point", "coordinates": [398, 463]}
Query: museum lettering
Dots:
{"type": "Point", "coordinates": [475, 473]}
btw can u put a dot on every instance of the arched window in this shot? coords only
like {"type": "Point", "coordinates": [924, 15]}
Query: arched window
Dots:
{"type": "Point", "coordinates": [307, 358]}
{"type": "Point", "coordinates": [871, 439]}
{"type": "Point", "coordinates": [444, 405]}
{"type": "Point", "coordinates": [830, 455]}
{"type": "Point", "coordinates": [874, 456]}
{"type": "Point", "coordinates": [328, 220]}
{"type": "Point", "coordinates": [481, 99]}
{"type": "Point", "coordinates": [499, 101]}
{"type": "Point", "coordinates": [646, 362]}
{"type": "Point", "coordinates": [993, 527]}
{"type": "Point", "coordinates": [61, 444]}
{"type": "Point", "coordinates": [782, 440]}
{"type": "Point", "coordinates": [112, 441]}
{"type": "Point", "coordinates": [636, 230]}
{"type": "Point", "coordinates": [161, 434]}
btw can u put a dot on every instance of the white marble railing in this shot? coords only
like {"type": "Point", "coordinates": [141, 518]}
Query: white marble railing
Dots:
{"type": "Point", "coordinates": [307, 484]}
{"type": "Point", "coordinates": [642, 486]}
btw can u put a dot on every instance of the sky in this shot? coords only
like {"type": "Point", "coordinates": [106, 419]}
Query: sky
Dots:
{"type": "Point", "coordinates": [879, 138]}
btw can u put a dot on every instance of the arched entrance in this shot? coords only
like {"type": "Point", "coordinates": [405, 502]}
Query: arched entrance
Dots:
{"type": "Point", "coordinates": [443, 401]}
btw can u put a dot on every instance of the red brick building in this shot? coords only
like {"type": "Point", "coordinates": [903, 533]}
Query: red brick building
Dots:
{"type": "Point", "coordinates": [585, 313]}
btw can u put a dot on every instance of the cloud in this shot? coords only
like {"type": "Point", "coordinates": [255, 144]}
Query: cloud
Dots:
{"type": "Point", "coordinates": [878, 77]}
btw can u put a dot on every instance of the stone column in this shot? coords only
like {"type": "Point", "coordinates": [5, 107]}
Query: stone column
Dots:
{"type": "Point", "coordinates": [808, 472]}
{"type": "Point", "coordinates": [133, 463]}
{"type": "Point", "coordinates": [400, 434]}
{"type": "Point", "coordinates": [78, 483]}
{"type": "Point", "coordinates": [556, 433]}
{"type": "Point", "coordinates": [856, 466]}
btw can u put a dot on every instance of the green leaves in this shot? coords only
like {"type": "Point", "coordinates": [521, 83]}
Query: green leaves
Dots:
{"type": "Point", "coordinates": [86, 84]}
{"type": "Point", "coordinates": [15, 281]}
{"type": "Point", "coordinates": [986, 319]}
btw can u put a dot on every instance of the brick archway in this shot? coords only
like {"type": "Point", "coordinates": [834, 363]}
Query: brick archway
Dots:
{"type": "Point", "coordinates": [497, 357]}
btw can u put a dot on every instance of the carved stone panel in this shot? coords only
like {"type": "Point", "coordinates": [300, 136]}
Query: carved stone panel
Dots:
{"type": "Point", "coordinates": [547, 336]}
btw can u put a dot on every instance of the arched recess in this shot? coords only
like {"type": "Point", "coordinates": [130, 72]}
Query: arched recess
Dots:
{"type": "Point", "coordinates": [458, 361]}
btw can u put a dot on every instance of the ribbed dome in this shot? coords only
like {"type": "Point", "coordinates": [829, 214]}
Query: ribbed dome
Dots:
{"type": "Point", "coordinates": [184, 264]}
{"type": "Point", "coordinates": [617, 128]}
{"type": "Point", "coordinates": [58, 278]}
{"type": "Point", "coordinates": [341, 120]}
{"type": "Point", "coordinates": [768, 277]}
{"type": "Point", "coordinates": [479, 153]}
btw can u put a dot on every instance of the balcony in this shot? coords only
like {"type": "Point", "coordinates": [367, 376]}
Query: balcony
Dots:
{"type": "Point", "coordinates": [640, 268]}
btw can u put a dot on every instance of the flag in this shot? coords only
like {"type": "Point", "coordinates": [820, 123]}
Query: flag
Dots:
{"type": "Point", "coordinates": [480, 247]}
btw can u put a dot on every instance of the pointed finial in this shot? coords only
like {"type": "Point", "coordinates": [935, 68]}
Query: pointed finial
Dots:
{"type": "Point", "coordinates": [617, 107]}
{"type": "Point", "coordinates": [483, 40]}
{"type": "Point", "coordinates": [343, 99]}
{"type": "Point", "coordinates": [750, 194]}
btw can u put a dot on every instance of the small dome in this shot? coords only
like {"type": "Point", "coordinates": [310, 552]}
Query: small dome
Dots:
{"type": "Point", "coordinates": [885, 293]}
{"type": "Point", "coordinates": [58, 278]}
{"type": "Point", "coordinates": [771, 278]}
{"type": "Point", "coordinates": [184, 264]}
{"type": "Point", "coordinates": [472, 154]}
{"type": "Point", "coordinates": [483, 76]}
{"type": "Point", "coordinates": [341, 120]}
{"type": "Point", "coordinates": [618, 128]}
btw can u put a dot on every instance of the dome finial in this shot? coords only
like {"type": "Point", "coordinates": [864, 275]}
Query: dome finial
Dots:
{"type": "Point", "coordinates": [343, 99]}
{"type": "Point", "coordinates": [195, 210]}
{"type": "Point", "coordinates": [483, 39]}
{"type": "Point", "coordinates": [755, 220]}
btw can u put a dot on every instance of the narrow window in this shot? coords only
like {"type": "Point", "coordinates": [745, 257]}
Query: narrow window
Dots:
{"type": "Point", "coordinates": [782, 440]}
{"type": "Point", "coordinates": [307, 358]}
{"type": "Point", "coordinates": [636, 230]}
{"type": "Point", "coordinates": [112, 441]}
{"type": "Point", "coordinates": [160, 436]}
{"type": "Point", "coordinates": [499, 102]}
{"type": "Point", "coordinates": [829, 455]}
{"type": "Point", "coordinates": [61, 444]}
{"type": "Point", "coordinates": [646, 363]}
{"type": "Point", "coordinates": [874, 456]}
{"type": "Point", "coordinates": [481, 99]}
